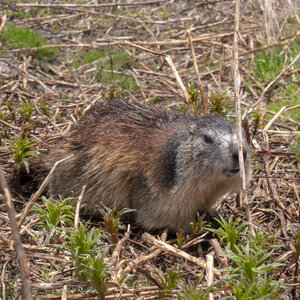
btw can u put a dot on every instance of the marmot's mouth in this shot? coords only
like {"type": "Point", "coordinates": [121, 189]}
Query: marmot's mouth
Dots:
{"type": "Point", "coordinates": [232, 172]}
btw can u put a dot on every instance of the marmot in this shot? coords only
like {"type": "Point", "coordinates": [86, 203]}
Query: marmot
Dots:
{"type": "Point", "coordinates": [165, 164]}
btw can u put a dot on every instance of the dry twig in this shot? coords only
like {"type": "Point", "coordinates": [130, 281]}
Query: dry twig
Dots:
{"type": "Point", "coordinates": [37, 195]}
{"type": "Point", "coordinates": [16, 236]}
{"type": "Point", "coordinates": [237, 82]}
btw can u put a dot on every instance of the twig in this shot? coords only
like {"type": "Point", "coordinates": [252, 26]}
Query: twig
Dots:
{"type": "Point", "coordinates": [11, 126]}
{"type": "Point", "coordinates": [37, 195]}
{"type": "Point", "coordinates": [116, 255]}
{"type": "Point", "coordinates": [30, 76]}
{"type": "Point", "coordinates": [282, 110]}
{"type": "Point", "coordinates": [237, 82]}
{"type": "Point", "coordinates": [74, 5]}
{"type": "Point", "coordinates": [2, 277]}
{"type": "Point", "coordinates": [141, 260]}
{"type": "Point", "coordinates": [210, 273]}
{"type": "Point", "coordinates": [197, 72]}
{"type": "Point", "coordinates": [266, 158]}
{"type": "Point", "coordinates": [269, 85]}
{"type": "Point", "coordinates": [180, 83]}
{"type": "Point", "coordinates": [143, 48]}
{"type": "Point", "coordinates": [171, 64]}
{"type": "Point", "coordinates": [177, 252]}
{"type": "Point", "coordinates": [3, 21]}
{"type": "Point", "coordinates": [76, 219]}
{"type": "Point", "coordinates": [25, 276]}
{"type": "Point", "coordinates": [297, 253]}
{"type": "Point", "coordinates": [220, 254]}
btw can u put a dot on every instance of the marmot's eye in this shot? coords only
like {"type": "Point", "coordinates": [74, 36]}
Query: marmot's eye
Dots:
{"type": "Point", "coordinates": [207, 139]}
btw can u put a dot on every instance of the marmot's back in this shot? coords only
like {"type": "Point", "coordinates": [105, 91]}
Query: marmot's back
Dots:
{"type": "Point", "coordinates": [164, 164]}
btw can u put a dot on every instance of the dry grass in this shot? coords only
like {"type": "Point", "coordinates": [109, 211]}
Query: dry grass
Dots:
{"type": "Point", "coordinates": [125, 51]}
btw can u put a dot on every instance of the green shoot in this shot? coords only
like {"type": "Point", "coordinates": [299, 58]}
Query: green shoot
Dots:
{"type": "Point", "coordinates": [219, 101]}
{"type": "Point", "coordinates": [20, 151]}
{"type": "Point", "coordinates": [111, 219]}
{"type": "Point", "coordinates": [96, 271]}
{"type": "Point", "coordinates": [250, 273]}
{"type": "Point", "coordinates": [295, 147]}
{"type": "Point", "coordinates": [249, 262]}
{"type": "Point", "coordinates": [44, 108]}
{"type": "Point", "coordinates": [256, 118]}
{"type": "Point", "coordinates": [193, 93]}
{"type": "Point", "coordinates": [169, 281]}
{"type": "Point", "coordinates": [82, 244]}
{"type": "Point", "coordinates": [195, 292]}
{"type": "Point", "coordinates": [55, 215]}
{"type": "Point", "coordinates": [229, 232]}
{"type": "Point", "coordinates": [25, 110]}
{"type": "Point", "coordinates": [180, 238]}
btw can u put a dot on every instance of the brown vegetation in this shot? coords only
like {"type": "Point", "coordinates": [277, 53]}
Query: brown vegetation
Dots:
{"type": "Point", "coordinates": [142, 50]}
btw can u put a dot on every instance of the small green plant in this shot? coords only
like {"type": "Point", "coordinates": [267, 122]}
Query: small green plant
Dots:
{"type": "Point", "coordinates": [180, 238]}
{"type": "Point", "coordinates": [295, 147]}
{"type": "Point", "coordinates": [44, 108]}
{"type": "Point", "coordinates": [87, 256]}
{"type": "Point", "coordinates": [125, 81]}
{"type": "Point", "coordinates": [263, 287]}
{"type": "Point", "coordinates": [169, 281]}
{"type": "Point", "coordinates": [195, 292]}
{"type": "Point", "coordinates": [198, 226]}
{"type": "Point", "coordinates": [54, 215]}
{"type": "Point", "coordinates": [25, 110]}
{"type": "Point", "coordinates": [193, 93]}
{"type": "Point", "coordinates": [96, 271]}
{"type": "Point", "coordinates": [249, 262]}
{"type": "Point", "coordinates": [10, 288]}
{"type": "Point", "coordinates": [82, 244]}
{"type": "Point", "coordinates": [22, 37]}
{"type": "Point", "coordinates": [249, 275]}
{"type": "Point", "coordinates": [219, 101]}
{"type": "Point", "coordinates": [229, 232]}
{"type": "Point", "coordinates": [20, 152]}
{"type": "Point", "coordinates": [88, 57]}
{"type": "Point", "coordinates": [114, 92]}
{"type": "Point", "coordinates": [256, 117]}
{"type": "Point", "coordinates": [63, 95]}
{"type": "Point", "coordinates": [111, 219]}
{"type": "Point", "coordinates": [267, 65]}
{"type": "Point", "coordinates": [11, 110]}
{"type": "Point", "coordinates": [47, 272]}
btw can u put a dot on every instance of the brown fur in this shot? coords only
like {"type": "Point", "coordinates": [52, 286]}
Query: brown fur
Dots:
{"type": "Point", "coordinates": [164, 164]}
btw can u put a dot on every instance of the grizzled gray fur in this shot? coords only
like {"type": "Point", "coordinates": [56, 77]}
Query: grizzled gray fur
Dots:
{"type": "Point", "coordinates": [164, 164]}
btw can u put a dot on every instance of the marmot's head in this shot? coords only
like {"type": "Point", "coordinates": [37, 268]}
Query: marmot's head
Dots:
{"type": "Point", "coordinates": [208, 149]}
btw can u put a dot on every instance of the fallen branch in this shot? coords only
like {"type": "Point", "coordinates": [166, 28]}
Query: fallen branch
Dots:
{"type": "Point", "coordinates": [37, 195]}
{"type": "Point", "coordinates": [74, 5]}
{"type": "Point", "coordinates": [177, 252]}
{"type": "Point", "coordinates": [25, 276]}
